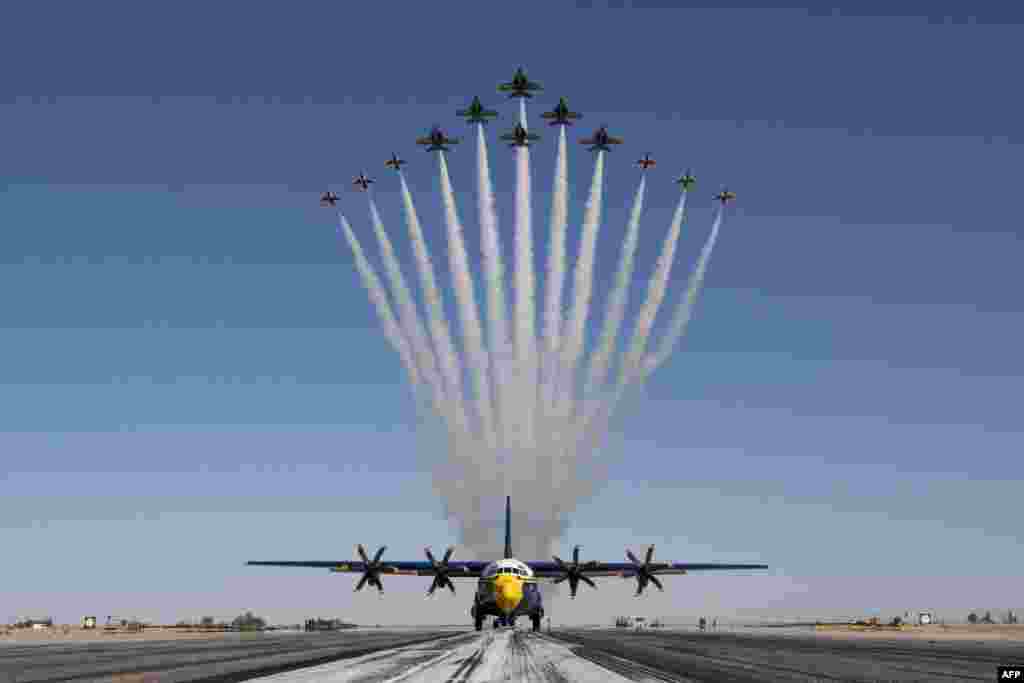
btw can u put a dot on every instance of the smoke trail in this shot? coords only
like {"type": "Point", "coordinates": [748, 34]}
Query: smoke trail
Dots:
{"type": "Point", "coordinates": [438, 323]}
{"type": "Point", "coordinates": [677, 328]}
{"type": "Point", "coordinates": [657, 286]}
{"type": "Point", "coordinates": [466, 298]}
{"type": "Point", "coordinates": [583, 285]}
{"type": "Point", "coordinates": [408, 316]}
{"type": "Point", "coordinates": [522, 112]}
{"type": "Point", "coordinates": [379, 299]}
{"type": "Point", "coordinates": [494, 276]}
{"type": "Point", "coordinates": [556, 267]}
{"type": "Point", "coordinates": [525, 309]}
{"type": "Point", "coordinates": [599, 361]}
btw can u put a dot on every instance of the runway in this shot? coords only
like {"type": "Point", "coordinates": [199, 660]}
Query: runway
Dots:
{"type": "Point", "coordinates": [564, 656]}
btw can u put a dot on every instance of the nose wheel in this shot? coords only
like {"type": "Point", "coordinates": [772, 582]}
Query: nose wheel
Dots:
{"type": "Point", "coordinates": [535, 619]}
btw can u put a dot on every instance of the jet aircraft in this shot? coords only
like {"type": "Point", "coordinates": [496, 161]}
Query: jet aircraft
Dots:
{"type": "Point", "coordinates": [519, 137]}
{"type": "Point", "coordinates": [394, 162]}
{"type": "Point", "coordinates": [687, 180]}
{"type": "Point", "coordinates": [520, 85]}
{"type": "Point", "coordinates": [362, 181]}
{"type": "Point", "coordinates": [476, 112]}
{"type": "Point", "coordinates": [561, 115]}
{"type": "Point", "coordinates": [437, 141]}
{"type": "Point", "coordinates": [646, 162]}
{"type": "Point", "coordinates": [328, 199]}
{"type": "Point", "coordinates": [507, 588]}
{"type": "Point", "coordinates": [600, 140]}
{"type": "Point", "coordinates": [725, 196]}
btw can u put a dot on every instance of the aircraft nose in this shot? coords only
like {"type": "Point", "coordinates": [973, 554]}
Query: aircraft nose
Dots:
{"type": "Point", "coordinates": [508, 593]}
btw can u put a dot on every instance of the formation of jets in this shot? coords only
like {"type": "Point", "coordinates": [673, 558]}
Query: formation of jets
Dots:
{"type": "Point", "coordinates": [560, 115]}
{"type": "Point", "coordinates": [508, 588]}
{"type": "Point", "coordinates": [519, 137]}
{"type": "Point", "coordinates": [476, 112]}
{"type": "Point", "coordinates": [600, 140]}
{"type": "Point", "coordinates": [520, 85]}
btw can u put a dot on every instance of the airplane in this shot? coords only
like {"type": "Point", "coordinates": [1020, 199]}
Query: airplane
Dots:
{"type": "Point", "coordinates": [362, 181]}
{"type": "Point", "coordinates": [507, 588]}
{"type": "Point", "coordinates": [561, 114]}
{"type": "Point", "coordinates": [476, 112]}
{"type": "Point", "coordinates": [600, 140]}
{"type": "Point", "coordinates": [394, 162]}
{"type": "Point", "coordinates": [328, 199]}
{"type": "Point", "coordinates": [520, 85]}
{"type": "Point", "coordinates": [437, 141]}
{"type": "Point", "coordinates": [519, 137]}
{"type": "Point", "coordinates": [725, 196]}
{"type": "Point", "coordinates": [646, 162]}
{"type": "Point", "coordinates": [687, 180]}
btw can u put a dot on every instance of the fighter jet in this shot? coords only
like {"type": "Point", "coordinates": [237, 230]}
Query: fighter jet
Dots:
{"type": "Point", "coordinates": [362, 181]}
{"type": "Point", "coordinates": [600, 140]}
{"type": "Point", "coordinates": [725, 196]}
{"type": "Point", "coordinates": [561, 114]}
{"type": "Point", "coordinates": [687, 181]}
{"type": "Point", "coordinates": [646, 162]}
{"type": "Point", "coordinates": [328, 200]}
{"type": "Point", "coordinates": [394, 162]}
{"type": "Point", "coordinates": [520, 85]}
{"type": "Point", "coordinates": [437, 141]}
{"type": "Point", "coordinates": [476, 112]}
{"type": "Point", "coordinates": [519, 137]}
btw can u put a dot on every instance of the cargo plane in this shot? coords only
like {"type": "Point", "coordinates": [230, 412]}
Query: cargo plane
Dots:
{"type": "Point", "coordinates": [507, 588]}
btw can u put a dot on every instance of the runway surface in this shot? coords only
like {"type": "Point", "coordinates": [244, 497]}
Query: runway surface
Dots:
{"type": "Point", "coordinates": [564, 656]}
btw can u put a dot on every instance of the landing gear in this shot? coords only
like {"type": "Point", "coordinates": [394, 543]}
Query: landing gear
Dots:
{"type": "Point", "coordinates": [536, 622]}
{"type": "Point", "coordinates": [497, 624]}
{"type": "Point", "coordinates": [478, 622]}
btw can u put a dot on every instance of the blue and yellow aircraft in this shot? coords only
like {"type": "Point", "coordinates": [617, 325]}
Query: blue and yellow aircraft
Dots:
{"type": "Point", "coordinates": [600, 140]}
{"type": "Point", "coordinates": [520, 85]}
{"type": "Point", "coordinates": [437, 141]}
{"type": "Point", "coordinates": [508, 588]}
{"type": "Point", "coordinates": [519, 137]}
{"type": "Point", "coordinates": [560, 115]}
{"type": "Point", "coordinates": [476, 112]}
{"type": "Point", "coordinates": [687, 180]}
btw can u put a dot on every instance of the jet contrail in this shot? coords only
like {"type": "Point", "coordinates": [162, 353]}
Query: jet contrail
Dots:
{"type": "Point", "coordinates": [525, 307]}
{"type": "Point", "coordinates": [657, 286]}
{"type": "Point", "coordinates": [408, 316]}
{"type": "Point", "coordinates": [582, 290]}
{"type": "Point", "coordinates": [617, 300]}
{"type": "Point", "coordinates": [438, 322]}
{"type": "Point", "coordinates": [677, 328]}
{"type": "Point", "coordinates": [494, 277]}
{"type": "Point", "coordinates": [466, 298]}
{"type": "Point", "coordinates": [522, 112]}
{"type": "Point", "coordinates": [379, 299]}
{"type": "Point", "coordinates": [555, 280]}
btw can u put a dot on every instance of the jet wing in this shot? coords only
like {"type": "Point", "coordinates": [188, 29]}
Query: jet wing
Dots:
{"type": "Point", "coordinates": [546, 570]}
{"type": "Point", "coordinates": [456, 570]}
{"type": "Point", "coordinates": [424, 141]}
{"type": "Point", "coordinates": [505, 87]}
{"type": "Point", "coordinates": [548, 115]}
{"type": "Point", "coordinates": [614, 141]}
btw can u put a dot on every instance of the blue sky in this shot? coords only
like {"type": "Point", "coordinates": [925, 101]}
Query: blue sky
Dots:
{"type": "Point", "coordinates": [191, 375]}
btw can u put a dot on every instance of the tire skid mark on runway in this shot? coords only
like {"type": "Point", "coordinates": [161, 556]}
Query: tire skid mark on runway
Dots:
{"type": "Point", "coordinates": [467, 667]}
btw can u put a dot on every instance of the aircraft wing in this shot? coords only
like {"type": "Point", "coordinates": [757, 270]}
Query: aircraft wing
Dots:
{"type": "Point", "coordinates": [463, 112]}
{"type": "Point", "coordinates": [546, 570]}
{"type": "Point", "coordinates": [505, 87]}
{"type": "Point", "coordinates": [424, 141]}
{"type": "Point", "coordinates": [614, 141]}
{"type": "Point", "coordinates": [548, 115]}
{"type": "Point", "coordinates": [456, 570]}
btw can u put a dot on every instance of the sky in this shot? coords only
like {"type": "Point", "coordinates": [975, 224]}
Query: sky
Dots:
{"type": "Point", "coordinates": [191, 375]}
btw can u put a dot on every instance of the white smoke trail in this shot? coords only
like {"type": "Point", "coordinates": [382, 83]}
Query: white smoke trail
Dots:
{"type": "Point", "coordinates": [494, 277]}
{"type": "Point", "coordinates": [599, 361]}
{"type": "Point", "coordinates": [379, 299]}
{"type": "Point", "coordinates": [677, 328]}
{"type": "Point", "coordinates": [525, 307]}
{"type": "Point", "coordinates": [522, 112]}
{"type": "Point", "coordinates": [582, 290]}
{"type": "Point", "coordinates": [408, 316]}
{"type": "Point", "coordinates": [466, 298]}
{"type": "Point", "coordinates": [437, 321]}
{"type": "Point", "coordinates": [555, 279]}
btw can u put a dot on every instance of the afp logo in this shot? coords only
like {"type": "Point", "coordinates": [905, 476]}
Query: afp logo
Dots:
{"type": "Point", "coordinates": [1010, 673]}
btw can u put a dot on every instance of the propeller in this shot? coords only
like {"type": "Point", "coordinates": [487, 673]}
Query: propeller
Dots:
{"type": "Point", "coordinates": [642, 571]}
{"type": "Point", "coordinates": [441, 570]}
{"type": "Point", "coordinates": [371, 570]}
{"type": "Point", "coordinates": [574, 572]}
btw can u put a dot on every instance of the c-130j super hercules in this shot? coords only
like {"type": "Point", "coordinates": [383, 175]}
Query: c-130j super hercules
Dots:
{"type": "Point", "coordinates": [508, 588]}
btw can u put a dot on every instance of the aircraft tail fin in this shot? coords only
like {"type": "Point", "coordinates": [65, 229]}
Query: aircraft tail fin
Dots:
{"type": "Point", "coordinates": [508, 527]}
